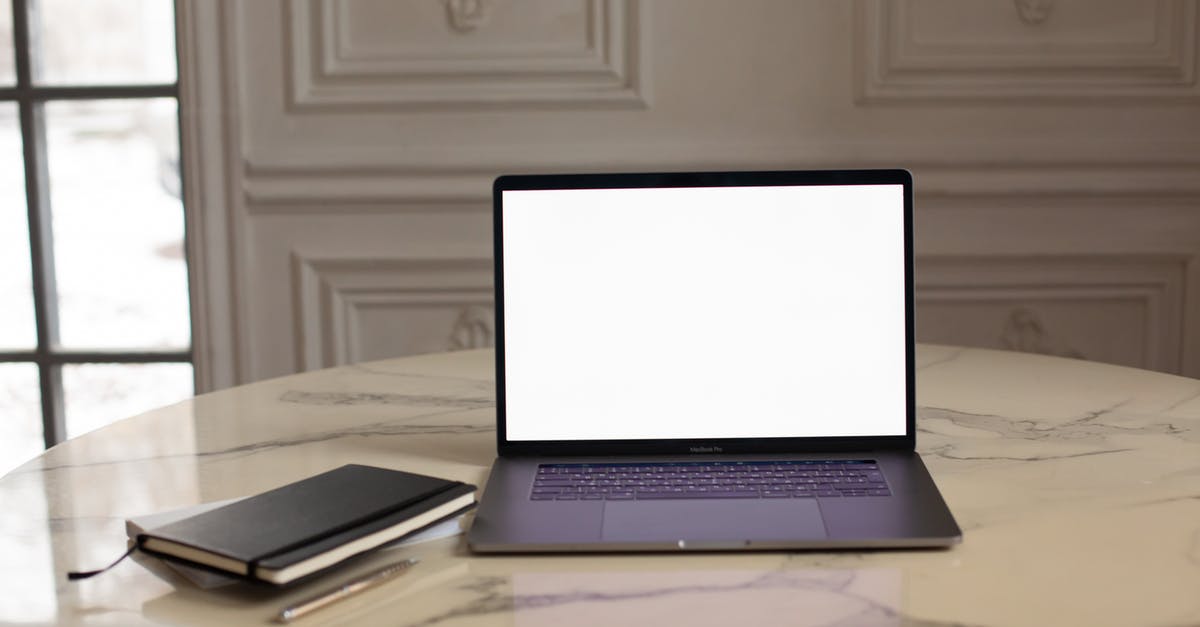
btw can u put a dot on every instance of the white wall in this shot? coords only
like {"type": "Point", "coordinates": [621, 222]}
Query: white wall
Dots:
{"type": "Point", "coordinates": [341, 154]}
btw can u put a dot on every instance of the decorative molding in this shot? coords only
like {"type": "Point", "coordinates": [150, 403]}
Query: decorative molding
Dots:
{"type": "Point", "coordinates": [467, 15]}
{"type": "Point", "coordinates": [894, 64]}
{"type": "Point", "coordinates": [210, 150]}
{"type": "Point", "coordinates": [281, 184]}
{"type": "Point", "coordinates": [330, 71]}
{"type": "Point", "coordinates": [335, 296]}
{"type": "Point", "coordinates": [1024, 331]}
{"type": "Point", "coordinates": [474, 328]}
{"type": "Point", "coordinates": [1034, 12]}
{"type": "Point", "coordinates": [1019, 288]}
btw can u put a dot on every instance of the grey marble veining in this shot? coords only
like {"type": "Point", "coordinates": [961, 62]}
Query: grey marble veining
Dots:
{"type": "Point", "coordinates": [1086, 429]}
{"type": "Point", "coordinates": [848, 597]}
{"type": "Point", "coordinates": [384, 398]}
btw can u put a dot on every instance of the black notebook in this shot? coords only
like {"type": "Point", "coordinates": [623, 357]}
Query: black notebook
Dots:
{"type": "Point", "coordinates": [304, 527]}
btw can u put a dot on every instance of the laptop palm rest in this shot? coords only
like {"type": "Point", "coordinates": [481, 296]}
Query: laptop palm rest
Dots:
{"type": "Point", "coordinates": [712, 520]}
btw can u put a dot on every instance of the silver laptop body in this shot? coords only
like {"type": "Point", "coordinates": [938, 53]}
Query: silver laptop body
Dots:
{"type": "Point", "coordinates": [706, 361]}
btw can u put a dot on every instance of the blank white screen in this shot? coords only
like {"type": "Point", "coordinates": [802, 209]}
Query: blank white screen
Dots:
{"type": "Point", "coordinates": [728, 312]}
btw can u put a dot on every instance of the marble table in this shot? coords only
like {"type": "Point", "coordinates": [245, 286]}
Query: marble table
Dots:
{"type": "Point", "coordinates": [1077, 486]}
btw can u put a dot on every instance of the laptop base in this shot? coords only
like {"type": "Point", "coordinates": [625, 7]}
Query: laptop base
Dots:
{"type": "Point", "coordinates": [915, 516]}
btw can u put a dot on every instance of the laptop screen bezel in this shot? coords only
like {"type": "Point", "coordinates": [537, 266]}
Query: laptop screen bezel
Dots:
{"type": "Point", "coordinates": [506, 447]}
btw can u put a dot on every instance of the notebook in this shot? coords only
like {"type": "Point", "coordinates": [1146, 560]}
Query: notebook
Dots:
{"type": "Point", "coordinates": [301, 528]}
{"type": "Point", "coordinates": [706, 361]}
{"type": "Point", "coordinates": [206, 579]}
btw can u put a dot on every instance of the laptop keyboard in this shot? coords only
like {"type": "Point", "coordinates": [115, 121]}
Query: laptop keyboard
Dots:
{"type": "Point", "coordinates": [708, 480]}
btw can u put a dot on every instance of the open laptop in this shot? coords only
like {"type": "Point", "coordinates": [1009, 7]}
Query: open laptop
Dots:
{"type": "Point", "coordinates": [706, 361]}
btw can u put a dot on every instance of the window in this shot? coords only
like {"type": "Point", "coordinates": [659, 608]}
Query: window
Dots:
{"type": "Point", "coordinates": [94, 325]}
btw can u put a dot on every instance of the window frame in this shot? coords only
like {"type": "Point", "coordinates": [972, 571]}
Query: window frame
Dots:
{"type": "Point", "coordinates": [30, 99]}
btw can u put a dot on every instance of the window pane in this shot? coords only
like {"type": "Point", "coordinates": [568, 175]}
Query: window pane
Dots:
{"type": "Point", "coordinates": [118, 224]}
{"type": "Point", "coordinates": [8, 72]}
{"type": "Point", "coordinates": [106, 41]}
{"type": "Point", "coordinates": [20, 415]}
{"type": "Point", "coordinates": [16, 281]}
{"type": "Point", "coordinates": [99, 394]}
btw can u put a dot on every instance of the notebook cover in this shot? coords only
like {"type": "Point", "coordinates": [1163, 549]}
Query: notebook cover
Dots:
{"type": "Point", "coordinates": [336, 504]}
{"type": "Point", "coordinates": [313, 549]}
{"type": "Point", "coordinates": [399, 541]}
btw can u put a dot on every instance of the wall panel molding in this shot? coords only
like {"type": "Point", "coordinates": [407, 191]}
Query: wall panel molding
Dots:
{"type": "Point", "coordinates": [352, 309]}
{"type": "Point", "coordinates": [353, 140]}
{"type": "Point", "coordinates": [212, 188]}
{"type": "Point", "coordinates": [279, 184]}
{"type": "Point", "coordinates": [1120, 308]}
{"type": "Point", "coordinates": [930, 51]}
{"type": "Point", "coordinates": [332, 66]}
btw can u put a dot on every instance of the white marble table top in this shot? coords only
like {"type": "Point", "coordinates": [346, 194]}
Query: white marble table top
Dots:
{"type": "Point", "coordinates": [1077, 486]}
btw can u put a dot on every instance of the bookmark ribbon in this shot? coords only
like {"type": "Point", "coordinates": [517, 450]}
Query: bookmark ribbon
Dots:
{"type": "Point", "coordinates": [76, 575]}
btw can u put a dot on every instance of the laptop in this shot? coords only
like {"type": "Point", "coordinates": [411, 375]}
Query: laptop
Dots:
{"type": "Point", "coordinates": [706, 361]}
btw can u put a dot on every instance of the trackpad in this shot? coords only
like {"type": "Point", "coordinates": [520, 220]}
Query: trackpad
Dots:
{"type": "Point", "coordinates": [710, 519]}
